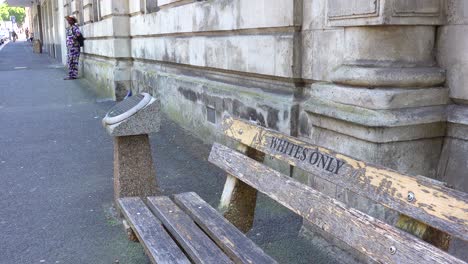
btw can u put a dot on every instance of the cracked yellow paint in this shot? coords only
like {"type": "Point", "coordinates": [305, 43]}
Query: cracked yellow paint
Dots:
{"type": "Point", "coordinates": [445, 204]}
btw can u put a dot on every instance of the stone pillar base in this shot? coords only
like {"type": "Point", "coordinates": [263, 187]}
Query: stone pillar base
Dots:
{"type": "Point", "coordinates": [134, 173]}
{"type": "Point", "coordinates": [453, 166]}
{"type": "Point", "coordinates": [402, 129]}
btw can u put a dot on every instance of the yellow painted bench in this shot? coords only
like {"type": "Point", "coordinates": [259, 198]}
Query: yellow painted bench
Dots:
{"type": "Point", "coordinates": [428, 208]}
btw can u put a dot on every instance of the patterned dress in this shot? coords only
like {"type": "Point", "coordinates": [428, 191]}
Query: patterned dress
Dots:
{"type": "Point", "coordinates": [73, 51]}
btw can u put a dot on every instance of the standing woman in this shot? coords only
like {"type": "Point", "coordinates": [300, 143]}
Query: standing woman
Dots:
{"type": "Point", "coordinates": [73, 48]}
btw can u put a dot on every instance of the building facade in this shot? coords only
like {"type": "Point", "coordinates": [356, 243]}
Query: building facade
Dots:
{"type": "Point", "coordinates": [385, 81]}
{"type": "Point", "coordinates": [45, 19]}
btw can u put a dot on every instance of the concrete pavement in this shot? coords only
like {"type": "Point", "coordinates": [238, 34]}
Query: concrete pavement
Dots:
{"type": "Point", "coordinates": [55, 168]}
{"type": "Point", "coordinates": [56, 174]}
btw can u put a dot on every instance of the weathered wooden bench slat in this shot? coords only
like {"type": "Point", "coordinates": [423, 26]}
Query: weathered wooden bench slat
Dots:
{"type": "Point", "coordinates": [425, 200]}
{"type": "Point", "coordinates": [158, 244]}
{"type": "Point", "coordinates": [199, 247]}
{"type": "Point", "coordinates": [376, 239]}
{"type": "Point", "coordinates": [235, 244]}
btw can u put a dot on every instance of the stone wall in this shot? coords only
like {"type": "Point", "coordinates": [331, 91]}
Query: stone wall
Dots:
{"type": "Point", "coordinates": [206, 59]}
{"type": "Point", "coordinates": [373, 89]}
{"type": "Point", "coordinates": [452, 54]}
{"type": "Point", "coordinates": [382, 102]}
{"type": "Point", "coordinates": [53, 27]}
{"type": "Point", "coordinates": [107, 51]}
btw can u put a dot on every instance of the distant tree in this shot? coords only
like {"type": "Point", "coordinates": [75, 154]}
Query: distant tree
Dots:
{"type": "Point", "coordinates": [7, 11]}
{"type": "Point", "coordinates": [4, 12]}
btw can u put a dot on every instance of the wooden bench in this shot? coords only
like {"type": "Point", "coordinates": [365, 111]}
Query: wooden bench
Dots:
{"type": "Point", "coordinates": [431, 209]}
{"type": "Point", "coordinates": [188, 230]}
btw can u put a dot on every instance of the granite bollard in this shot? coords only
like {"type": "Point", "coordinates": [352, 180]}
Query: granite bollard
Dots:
{"type": "Point", "coordinates": [130, 122]}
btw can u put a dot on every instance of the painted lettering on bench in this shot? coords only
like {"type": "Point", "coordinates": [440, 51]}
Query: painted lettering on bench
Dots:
{"type": "Point", "coordinates": [313, 156]}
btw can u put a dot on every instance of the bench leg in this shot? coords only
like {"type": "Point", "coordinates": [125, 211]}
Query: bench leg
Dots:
{"type": "Point", "coordinates": [130, 233]}
{"type": "Point", "coordinates": [427, 233]}
{"type": "Point", "coordinates": [238, 200]}
{"type": "Point", "coordinates": [238, 203]}
{"type": "Point", "coordinates": [134, 173]}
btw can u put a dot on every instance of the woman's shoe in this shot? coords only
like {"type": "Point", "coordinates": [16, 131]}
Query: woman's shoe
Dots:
{"type": "Point", "coordinates": [69, 78]}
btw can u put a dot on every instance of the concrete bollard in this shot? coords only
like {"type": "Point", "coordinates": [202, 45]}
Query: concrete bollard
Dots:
{"type": "Point", "coordinates": [37, 46]}
{"type": "Point", "coordinates": [129, 122]}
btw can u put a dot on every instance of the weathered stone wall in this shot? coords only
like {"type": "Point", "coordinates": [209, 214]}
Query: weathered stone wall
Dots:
{"type": "Point", "coordinates": [373, 92]}
{"type": "Point", "coordinates": [452, 54]}
{"type": "Point", "coordinates": [379, 102]}
{"type": "Point", "coordinates": [206, 59]}
{"type": "Point", "coordinates": [53, 27]}
{"type": "Point", "coordinates": [107, 51]}
{"type": "Point", "coordinates": [199, 103]}
{"type": "Point", "coordinates": [453, 49]}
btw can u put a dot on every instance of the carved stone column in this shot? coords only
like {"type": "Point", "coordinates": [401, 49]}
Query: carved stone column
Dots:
{"type": "Point", "coordinates": [386, 103]}
{"type": "Point", "coordinates": [107, 51]}
{"type": "Point", "coordinates": [452, 54]}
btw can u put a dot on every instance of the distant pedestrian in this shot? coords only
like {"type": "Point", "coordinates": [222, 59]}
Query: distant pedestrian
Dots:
{"type": "Point", "coordinates": [73, 48]}
{"type": "Point", "coordinates": [14, 36]}
{"type": "Point", "coordinates": [26, 32]}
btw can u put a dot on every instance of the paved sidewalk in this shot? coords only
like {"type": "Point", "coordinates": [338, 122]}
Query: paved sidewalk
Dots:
{"type": "Point", "coordinates": [55, 168]}
{"type": "Point", "coordinates": [56, 174]}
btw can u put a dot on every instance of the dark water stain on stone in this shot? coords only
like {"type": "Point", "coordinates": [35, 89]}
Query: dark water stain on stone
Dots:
{"type": "Point", "coordinates": [246, 112]}
{"type": "Point", "coordinates": [272, 117]}
{"type": "Point", "coordinates": [188, 94]}
{"type": "Point", "coordinates": [235, 107]}
{"type": "Point", "coordinates": [304, 128]}
{"type": "Point", "coordinates": [213, 101]}
{"type": "Point", "coordinates": [121, 88]}
{"type": "Point", "coordinates": [249, 114]}
{"type": "Point", "coordinates": [261, 120]}
{"type": "Point", "coordinates": [227, 104]}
